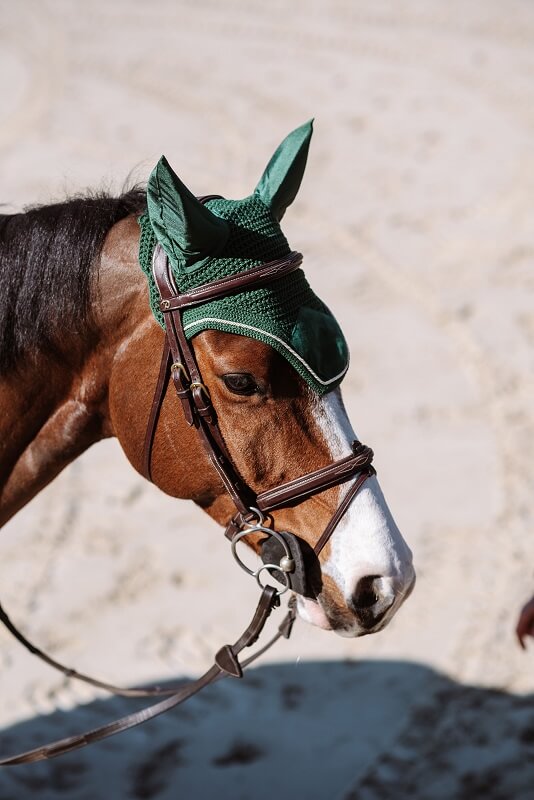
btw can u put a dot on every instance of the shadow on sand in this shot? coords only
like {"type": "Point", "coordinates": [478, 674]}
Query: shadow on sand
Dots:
{"type": "Point", "coordinates": [316, 730]}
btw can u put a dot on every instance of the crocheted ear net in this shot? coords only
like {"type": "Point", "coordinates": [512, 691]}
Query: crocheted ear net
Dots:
{"type": "Point", "coordinates": [224, 237]}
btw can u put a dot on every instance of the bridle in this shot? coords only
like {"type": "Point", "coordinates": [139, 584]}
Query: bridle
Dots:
{"type": "Point", "coordinates": [283, 554]}
{"type": "Point", "coordinates": [179, 363]}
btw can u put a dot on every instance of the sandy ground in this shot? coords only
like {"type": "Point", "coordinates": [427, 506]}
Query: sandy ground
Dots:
{"type": "Point", "coordinates": [416, 218]}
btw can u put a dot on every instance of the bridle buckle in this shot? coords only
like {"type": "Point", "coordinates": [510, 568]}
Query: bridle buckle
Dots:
{"type": "Point", "coordinates": [203, 388]}
{"type": "Point", "coordinates": [176, 366]}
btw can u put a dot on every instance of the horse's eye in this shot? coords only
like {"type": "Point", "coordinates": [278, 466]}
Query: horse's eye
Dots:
{"type": "Point", "coordinates": [240, 383]}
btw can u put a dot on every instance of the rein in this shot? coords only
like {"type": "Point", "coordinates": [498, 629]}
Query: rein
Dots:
{"type": "Point", "coordinates": [281, 551]}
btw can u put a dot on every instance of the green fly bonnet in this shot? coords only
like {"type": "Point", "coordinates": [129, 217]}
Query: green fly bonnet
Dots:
{"type": "Point", "coordinates": [206, 242]}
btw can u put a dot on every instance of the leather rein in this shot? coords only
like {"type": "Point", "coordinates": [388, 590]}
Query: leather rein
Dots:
{"type": "Point", "coordinates": [281, 551]}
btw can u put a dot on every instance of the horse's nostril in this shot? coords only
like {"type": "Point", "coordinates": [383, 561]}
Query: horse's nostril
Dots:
{"type": "Point", "coordinates": [372, 599]}
{"type": "Point", "coordinates": [366, 594]}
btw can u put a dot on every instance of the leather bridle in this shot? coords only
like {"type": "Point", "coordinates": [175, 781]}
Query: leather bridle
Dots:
{"type": "Point", "coordinates": [281, 551]}
{"type": "Point", "coordinates": [179, 363]}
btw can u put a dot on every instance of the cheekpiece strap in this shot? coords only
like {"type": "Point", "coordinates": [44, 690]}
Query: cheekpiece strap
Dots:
{"type": "Point", "coordinates": [193, 394]}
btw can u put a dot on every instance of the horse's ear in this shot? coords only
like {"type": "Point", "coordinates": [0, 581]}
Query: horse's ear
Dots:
{"type": "Point", "coordinates": [281, 180]}
{"type": "Point", "coordinates": [183, 226]}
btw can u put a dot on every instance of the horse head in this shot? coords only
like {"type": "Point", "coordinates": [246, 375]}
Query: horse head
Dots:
{"type": "Point", "coordinates": [256, 434]}
{"type": "Point", "coordinates": [271, 359]}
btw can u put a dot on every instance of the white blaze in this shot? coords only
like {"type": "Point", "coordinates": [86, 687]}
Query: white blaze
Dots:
{"type": "Point", "coordinates": [366, 541]}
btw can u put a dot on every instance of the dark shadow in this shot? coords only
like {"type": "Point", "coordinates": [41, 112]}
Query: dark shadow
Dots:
{"type": "Point", "coordinates": [371, 730]}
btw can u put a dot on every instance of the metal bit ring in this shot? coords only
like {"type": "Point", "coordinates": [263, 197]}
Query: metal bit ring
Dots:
{"type": "Point", "coordinates": [281, 568]}
{"type": "Point", "coordinates": [269, 567]}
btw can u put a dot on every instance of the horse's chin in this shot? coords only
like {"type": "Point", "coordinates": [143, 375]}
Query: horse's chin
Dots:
{"type": "Point", "coordinates": [312, 612]}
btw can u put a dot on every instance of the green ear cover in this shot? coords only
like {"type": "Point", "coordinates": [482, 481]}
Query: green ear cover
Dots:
{"type": "Point", "coordinates": [187, 230]}
{"type": "Point", "coordinates": [281, 180]}
{"type": "Point", "coordinates": [225, 237]}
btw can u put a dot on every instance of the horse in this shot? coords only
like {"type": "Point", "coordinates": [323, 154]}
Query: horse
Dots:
{"type": "Point", "coordinates": [79, 358]}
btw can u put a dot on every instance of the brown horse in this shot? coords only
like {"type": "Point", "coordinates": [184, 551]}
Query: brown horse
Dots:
{"type": "Point", "coordinates": [79, 359]}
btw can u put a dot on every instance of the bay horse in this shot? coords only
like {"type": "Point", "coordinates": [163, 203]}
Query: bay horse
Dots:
{"type": "Point", "coordinates": [79, 354]}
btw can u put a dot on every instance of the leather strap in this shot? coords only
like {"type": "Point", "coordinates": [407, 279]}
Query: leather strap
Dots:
{"type": "Point", "coordinates": [72, 673]}
{"type": "Point", "coordinates": [251, 278]}
{"type": "Point", "coordinates": [345, 503]}
{"type": "Point", "coordinates": [224, 666]}
{"type": "Point", "coordinates": [194, 395]}
{"type": "Point", "coordinates": [157, 402]}
{"type": "Point", "coordinates": [204, 198]}
{"type": "Point", "coordinates": [300, 489]}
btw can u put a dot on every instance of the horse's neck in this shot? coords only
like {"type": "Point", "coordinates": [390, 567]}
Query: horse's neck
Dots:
{"type": "Point", "coordinates": [52, 409]}
{"type": "Point", "coordinates": [48, 418]}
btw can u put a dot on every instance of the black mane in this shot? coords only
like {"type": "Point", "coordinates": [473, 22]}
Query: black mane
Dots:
{"type": "Point", "coordinates": [46, 257]}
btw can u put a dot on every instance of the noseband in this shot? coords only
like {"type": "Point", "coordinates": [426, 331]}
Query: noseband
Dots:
{"type": "Point", "coordinates": [281, 551]}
